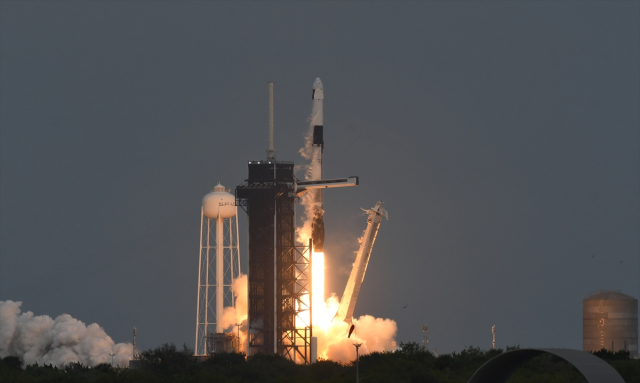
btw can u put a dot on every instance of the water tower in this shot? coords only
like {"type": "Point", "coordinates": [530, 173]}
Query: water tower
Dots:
{"type": "Point", "coordinates": [219, 266]}
{"type": "Point", "coordinates": [610, 321]}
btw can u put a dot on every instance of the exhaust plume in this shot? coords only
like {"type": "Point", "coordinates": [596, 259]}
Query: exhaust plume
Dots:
{"type": "Point", "coordinates": [60, 341]}
{"type": "Point", "coordinates": [375, 334]}
{"type": "Point", "coordinates": [238, 315]}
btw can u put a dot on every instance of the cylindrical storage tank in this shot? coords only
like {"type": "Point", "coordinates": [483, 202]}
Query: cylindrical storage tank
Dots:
{"type": "Point", "coordinates": [610, 321]}
{"type": "Point", "coordinates": [219, 203]}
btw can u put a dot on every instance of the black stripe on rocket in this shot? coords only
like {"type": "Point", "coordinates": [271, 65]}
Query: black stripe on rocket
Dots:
{"type": "Point", "coordinates": [318, 138]}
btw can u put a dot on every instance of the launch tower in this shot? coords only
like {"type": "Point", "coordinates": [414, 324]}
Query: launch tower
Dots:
{"type": "Point", "coordinates": [279, 271]}
{"type": "Point", "coordinates": [280, 289]}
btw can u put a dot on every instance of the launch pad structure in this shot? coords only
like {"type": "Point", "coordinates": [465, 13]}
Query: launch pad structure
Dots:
{"type": "Point", "coordinates": [280, 288]}
{"type": "Point", "coordinates": [279, 271]}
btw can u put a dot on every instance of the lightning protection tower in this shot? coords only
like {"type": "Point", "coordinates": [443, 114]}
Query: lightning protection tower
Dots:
{"type": "Point", "coordinates": [425, 331]}
{"type": "Point", "coordinates": [219, 264]}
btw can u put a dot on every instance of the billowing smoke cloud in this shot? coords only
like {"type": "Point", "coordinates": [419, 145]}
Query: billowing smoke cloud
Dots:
{"type": "Point", "coordinates": [60, 341]}
{"type": "Point", "coordinates": [375, 334]}
{"type": "Point", "coordinates": [238, 315]}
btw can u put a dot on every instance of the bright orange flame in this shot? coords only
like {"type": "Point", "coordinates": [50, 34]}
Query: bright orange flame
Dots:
{"type": "Point", "coordinates": [377, 334]}
{"type": "Point", "coordinates": [323, 309]}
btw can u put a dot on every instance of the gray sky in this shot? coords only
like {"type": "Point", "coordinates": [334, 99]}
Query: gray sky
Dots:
{"type": "Point", "coordinates": [502, 136]}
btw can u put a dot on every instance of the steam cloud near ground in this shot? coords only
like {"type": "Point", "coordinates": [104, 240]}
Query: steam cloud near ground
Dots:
{"type": "Point", "coordinates": [43, 340]}
{"type": "Point", "coordinates": [238, 315]}
{"type": "Point", "coordinates": [375, 334]}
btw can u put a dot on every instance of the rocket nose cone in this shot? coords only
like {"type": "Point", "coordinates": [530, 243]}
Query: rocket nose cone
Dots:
{"type": "Point", "coordinates": [317, 84]}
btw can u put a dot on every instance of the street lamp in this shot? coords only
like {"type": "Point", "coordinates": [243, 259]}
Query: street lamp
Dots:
{"type": "Point", "coordinates": [357, 361]}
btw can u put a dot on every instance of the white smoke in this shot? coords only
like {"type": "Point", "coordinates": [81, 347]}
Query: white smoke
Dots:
{"type": "Point", "coordinates": [238, 315]}
{"type": "Point", "coordinates": [60, 341]}
{"type": "Point", "coordinates": [375, 334]}
{"type": "Point", "coordinates": [307, 199]}
{"type": "Point", "coordinates": [307, 151]}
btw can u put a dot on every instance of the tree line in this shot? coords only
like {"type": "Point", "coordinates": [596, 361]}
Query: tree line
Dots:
{"type": "Point", "coordinates": [410, 363]}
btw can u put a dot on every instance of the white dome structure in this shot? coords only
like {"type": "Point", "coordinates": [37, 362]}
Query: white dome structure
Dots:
{"type": "Point", "coordinates": [219, 203]}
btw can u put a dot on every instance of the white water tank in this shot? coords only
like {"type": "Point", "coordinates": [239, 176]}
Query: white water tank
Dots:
{"type": "Point", "coordinates": [219, 203]}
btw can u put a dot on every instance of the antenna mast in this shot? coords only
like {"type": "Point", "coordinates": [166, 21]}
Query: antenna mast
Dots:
{"type": "Point", "coordinates": [271, 153]}
{"type": "Point", "coordinates": [425, 330]}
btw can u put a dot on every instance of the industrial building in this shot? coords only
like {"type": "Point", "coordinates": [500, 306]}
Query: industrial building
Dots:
{"type": "Point", "coordinates": [610, 321]}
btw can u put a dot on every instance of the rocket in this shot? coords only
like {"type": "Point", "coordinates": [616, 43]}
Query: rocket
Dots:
{"type": "Point", "coordinates": [317, 225]}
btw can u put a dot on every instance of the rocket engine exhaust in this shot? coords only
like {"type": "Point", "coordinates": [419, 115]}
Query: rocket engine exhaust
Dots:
{"type": "Point", "coordinates": [317, 225]}
{"type": "Point", "coordinates": [334, 337]}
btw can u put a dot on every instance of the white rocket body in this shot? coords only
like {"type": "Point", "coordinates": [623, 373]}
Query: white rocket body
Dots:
{"type": "Point", "coordinates": [351, 291]}
{"type": "Point", "coordinates": [317, 225]}
{"type": "Point", "coordinates": [317, 96]}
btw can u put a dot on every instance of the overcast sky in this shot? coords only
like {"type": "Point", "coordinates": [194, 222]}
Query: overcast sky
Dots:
{"type": "Point", "coordinates": [503, 138]}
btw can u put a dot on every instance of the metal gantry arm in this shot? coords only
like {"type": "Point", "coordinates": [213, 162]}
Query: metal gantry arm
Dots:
{"type": "Point", "coordinates": [304, 186]}
{"type": "Point", "coordinates": [351, 291]}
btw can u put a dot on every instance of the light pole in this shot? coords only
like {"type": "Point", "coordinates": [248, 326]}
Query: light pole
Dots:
{"type": "Point", "coordinates": [357, 361]}
{"type": "Point", "coordinates": [238, 326]}
{"type": "Point", "coordinates": [493, 331]}
{"type": "Point", "coordinates": [112, 354]}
